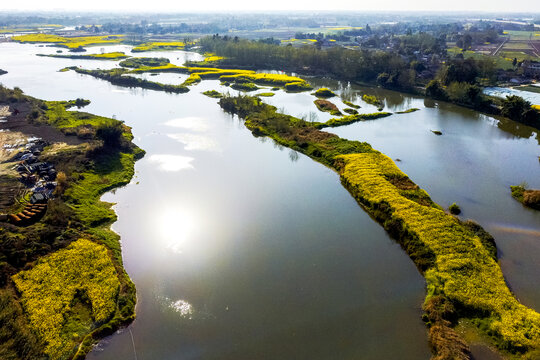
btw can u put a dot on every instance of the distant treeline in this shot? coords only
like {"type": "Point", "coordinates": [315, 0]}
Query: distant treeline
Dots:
{"type": "Point", "coordinates": [456, 80]}
{"type": "Point", "coordinates": [338, 62]}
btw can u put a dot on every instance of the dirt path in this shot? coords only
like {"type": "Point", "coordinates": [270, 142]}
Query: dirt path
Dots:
{"type": "Point", "coordinates": [17, 121]}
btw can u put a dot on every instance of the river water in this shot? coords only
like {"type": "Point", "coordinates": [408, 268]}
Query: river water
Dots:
{"type": "Point", "coordinates": [241, 249]}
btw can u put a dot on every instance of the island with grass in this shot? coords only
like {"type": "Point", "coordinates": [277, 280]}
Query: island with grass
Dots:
{"type": "Point", "coordinates": [458, 259]}
{"type": "Point", "coordinates": [62, 283]}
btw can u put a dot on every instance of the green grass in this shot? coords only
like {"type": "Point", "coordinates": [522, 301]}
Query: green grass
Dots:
{"type": "Point", "coordinates": [152, 46]}
{"type": "Point", "coordinates": [350, 119]}
{"type": "Point", "coordinates": [79, 292]}
{"type": "Point", "coordinates": [104, 56]}
{"type": "Point", "coordinates": [266, 94]}
{"type": "Point", "coordinates": [69, 42]}
{"type": "Point", "coordinates": [520, 56]}
{"type": "Point", "coordinates": [247, 86]}
{"type": "Point", "coordinates": [407, 111]}
{"type": "Point", "coordinates": [139, 62]}
{"type": "Point", "coordinates": [372, 100]}
{"type": "Point", "coordinates": [501, 62]}
{"type": "Point", "coordinates": [197, 74]}
{"type": "Point", "coordinates": [530, 88]}
{"type": "Point", "coordinates": [61, 118]}
{"type": "Point", "coordinates": [348, 103]}
{"type": "Point", "coordinates": [324, 93]}
{"type": "Point", "coordinates": [327, 106]}
{"type": "Point", "coordinates": [521, 35]}
{"type": "Point", "coordinates": [213, 94]}
{"type": "Point", "coordinates": [120, 77]}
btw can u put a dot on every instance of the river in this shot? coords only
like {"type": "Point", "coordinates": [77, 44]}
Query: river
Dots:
{"type": "Point", "coordinates": [241, 249]}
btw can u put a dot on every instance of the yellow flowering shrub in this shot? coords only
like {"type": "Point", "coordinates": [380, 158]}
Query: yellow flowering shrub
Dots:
{"type": "Point", "coordinates": [171, 45]}
{"type": "Point", "coordinates": [48, 291]}
{"type": "Point", "coordinates": [69, 42]}
{"type": "Point", "coordinates": [464, 271]}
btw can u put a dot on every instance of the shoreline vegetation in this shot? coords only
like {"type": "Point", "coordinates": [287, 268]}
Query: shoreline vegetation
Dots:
{"type": "Point", "coordinates": [528, 197]}
{"type": "Point", "coordinates": [75, 44]}
{"type": "Point", "coordinates": [153, 46]}
{"type": "Point", "coordinates": [458, 259]}
{"type": "Point", "coordinates": [104, 56]}
{"type": "Point", "coordinates": [456, 82]}
{"type": "Point", "coordinates": [245, 80]}
{"type": "Point", "coordinates": [63, 285]}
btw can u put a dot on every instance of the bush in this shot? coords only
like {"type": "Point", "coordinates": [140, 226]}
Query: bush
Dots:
{"type": "Point", "coordinates": [111, 133]}
{"type": "Point", "coordinates": [144, 61]}
{"type": "Point", "coordinates": [454, 209]}
{"type": "Point", "coordinates": [520, 110]}
{"type": "Point", "coordinates": [324, 93]}
{"type": "Point", "coordinates": [297, 86]}
{"type": "Point", "coordinates": [245, 86]}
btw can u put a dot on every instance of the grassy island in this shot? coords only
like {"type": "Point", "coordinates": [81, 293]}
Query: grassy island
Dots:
{"type": "Point", "coordinates": [62, 283]}
{"type": "Point", "coordinates": [104, 56]}
{"type": "Point", "coordinates": [139, 62]}
{"type": "Point", "coordinates": [349, 119]}
{"type": "Point", "coordinates": [327, 106]}
{"type": "Point", "coordinates": [458, 259]}
{"type": "Point", "coordinates": [153, 46]}
{"type": "Point", "coordinates": [324, 93]}
{"type": "Point", "coordinates": [245, 80]}
{"type": "Point", "coordinates": [119, 77]}
{"type": "Point", "coordinates": [529, 198]}
{"type": "Point", "coordinates": [213, 94]}
{"type": "Point", "coordinates": [373, 100]}
{"type": "Point", "coordinates": [348, 103]}
{"type": "Point", "coordinates": [72, 43]}
{"type": "Point", "coordinates": [407, 111]}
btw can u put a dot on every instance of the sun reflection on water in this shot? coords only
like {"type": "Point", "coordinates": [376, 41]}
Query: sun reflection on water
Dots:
{"type": "Point", "coordinates": [182, 307]}
{"type": "Point", "coordinates": [175, 228]}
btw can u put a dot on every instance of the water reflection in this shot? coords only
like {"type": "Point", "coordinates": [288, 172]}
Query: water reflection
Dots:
{"type": "Point", "coordinates": [175, 228]}
{"type": "Point", "coordinates": [195, 142]}
{"type": "Point", "coordinates": [183, 308]}
{"type": "Point", "coordinates": [293, 155]}
{"type": "Point", "coordinates": [191, 123]}
{"type": "Point", "coordinates": [169, 162]}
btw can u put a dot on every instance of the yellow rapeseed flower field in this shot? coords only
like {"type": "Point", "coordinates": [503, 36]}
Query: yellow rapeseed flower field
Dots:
{"type": "Point", "coordinates": [464, 271]}
{"type": "Point", "coordinates": [48, 291]}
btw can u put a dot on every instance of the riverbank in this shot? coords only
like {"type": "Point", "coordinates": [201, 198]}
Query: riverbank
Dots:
{"type": "Point", "coordinates": [92, 155]}
{"type": "Point", "coordinates": [457, 259]}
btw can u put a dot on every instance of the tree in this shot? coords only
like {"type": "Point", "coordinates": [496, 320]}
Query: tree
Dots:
{"type": "Point", "coordinates": [435, 90]}
{"type": "Point", "coordinates": [520, 110]}
{"type": "Point", "coordinates": [112, 133]}
{"type": "Point", "coordinates": [514, 106]}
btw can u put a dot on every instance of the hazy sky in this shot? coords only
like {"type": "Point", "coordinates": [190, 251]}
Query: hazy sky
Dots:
{"type": "Point", "coordinates": [529, 6]}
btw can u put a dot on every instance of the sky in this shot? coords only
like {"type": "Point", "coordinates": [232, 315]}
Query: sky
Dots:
{"type": "Point", "coordinates": [528, 6]}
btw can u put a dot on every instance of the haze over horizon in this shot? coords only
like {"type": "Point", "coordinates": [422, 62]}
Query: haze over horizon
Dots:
{"type": "Point", "coordinates": [525, 6]}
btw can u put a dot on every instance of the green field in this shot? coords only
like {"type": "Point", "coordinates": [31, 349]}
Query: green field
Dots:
{"type": "Point", "coordinates": [522, 35]}
{"type": "Point", "coordinates": [502, 62]}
